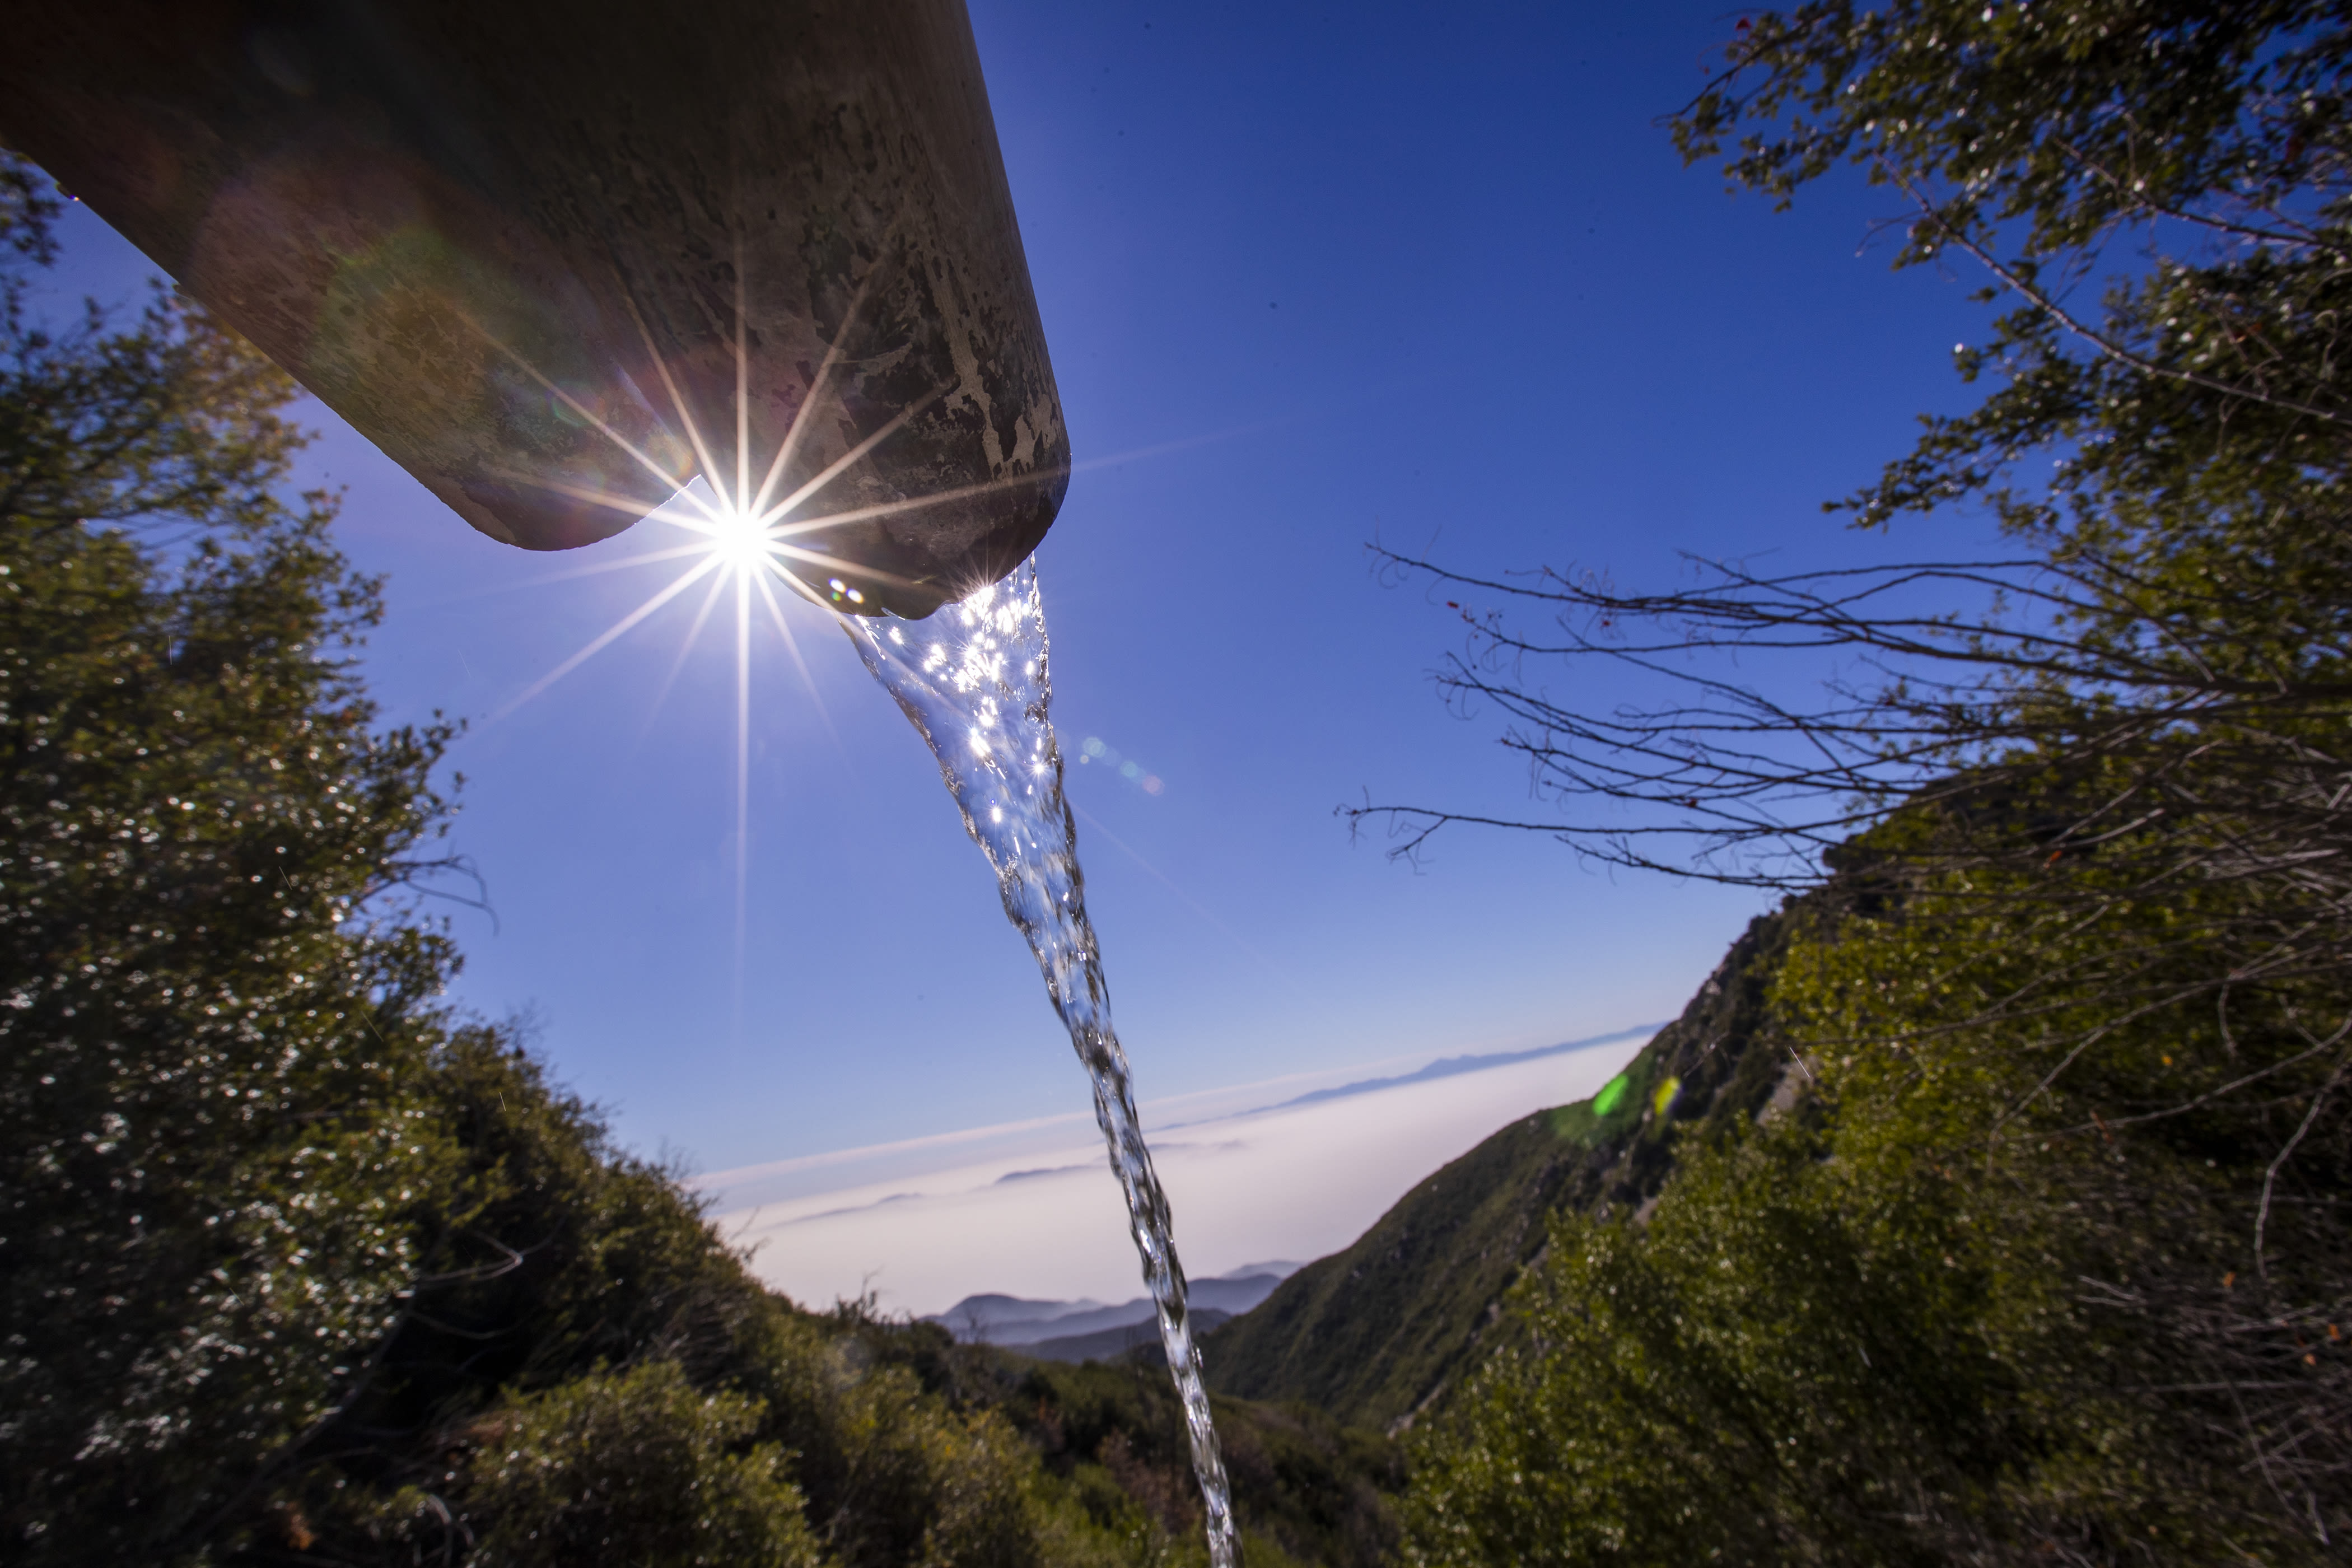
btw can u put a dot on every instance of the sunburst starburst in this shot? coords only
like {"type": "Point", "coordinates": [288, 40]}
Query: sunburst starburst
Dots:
{"type": "Point", "coordinates": [742, 537]}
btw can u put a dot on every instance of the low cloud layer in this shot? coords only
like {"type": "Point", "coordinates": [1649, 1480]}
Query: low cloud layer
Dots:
{"type": "Point", "coordinates": [1047, 1222]}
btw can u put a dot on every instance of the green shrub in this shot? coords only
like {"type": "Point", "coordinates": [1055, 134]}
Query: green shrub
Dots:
{"type": "Point", "coordinates": [636, 1467]}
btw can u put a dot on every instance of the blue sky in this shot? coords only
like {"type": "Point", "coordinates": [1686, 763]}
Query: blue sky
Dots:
{"type": "Point", "coordinates": [1311, 276]}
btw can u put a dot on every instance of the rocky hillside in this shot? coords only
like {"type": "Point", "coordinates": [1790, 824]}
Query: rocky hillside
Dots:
{"type": "Point", "coordinates": [1375, 1333]}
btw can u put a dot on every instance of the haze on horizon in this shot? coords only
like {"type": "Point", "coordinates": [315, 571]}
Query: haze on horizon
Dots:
{"type": "Point", "coordinates": [1039, 1219]}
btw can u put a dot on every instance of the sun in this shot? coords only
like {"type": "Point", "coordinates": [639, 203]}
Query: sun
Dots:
{"type": "Point", "coordinates": [743, 542]}
{"type": "Point", "coordinates": [739, 541]}
{"type": "Point", "coordinates": [746, 538]}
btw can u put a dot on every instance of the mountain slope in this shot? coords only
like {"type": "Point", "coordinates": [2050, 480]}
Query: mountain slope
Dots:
{"type": "Point", "coordinates": [1373, 1333]}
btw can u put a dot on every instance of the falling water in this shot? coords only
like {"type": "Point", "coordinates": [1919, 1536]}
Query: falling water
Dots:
{"type": "Point", "coordinates": [973, 677]}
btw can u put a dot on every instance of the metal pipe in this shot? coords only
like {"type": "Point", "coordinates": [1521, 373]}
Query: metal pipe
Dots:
{"type": "Point", "coordinates": [557, 257]}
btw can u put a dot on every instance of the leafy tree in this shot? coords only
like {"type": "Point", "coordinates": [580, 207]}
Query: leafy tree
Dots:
{"type": "Point", "coordinates": [208, 1049]}
{"type": "Point", "coordinates": [2070, 828]}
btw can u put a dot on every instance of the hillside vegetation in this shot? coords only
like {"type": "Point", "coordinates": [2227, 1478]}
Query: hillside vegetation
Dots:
{"type": "Point", "coordinates": [1375, 1332]}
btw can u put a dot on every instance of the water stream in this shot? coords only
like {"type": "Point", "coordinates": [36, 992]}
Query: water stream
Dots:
{"type": "Point", "coordinates": [973, 677]}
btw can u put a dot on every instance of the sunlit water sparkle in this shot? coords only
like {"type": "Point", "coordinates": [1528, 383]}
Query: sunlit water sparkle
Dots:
{"type": "Point", "coordinates": [973, 680]}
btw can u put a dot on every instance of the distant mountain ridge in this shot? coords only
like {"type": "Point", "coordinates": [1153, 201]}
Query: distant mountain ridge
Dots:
{"type": "Point", "coordinates": [1016, 1322]}
{"type": "Point", "coordinates": [1376, 1332]}
{"type": "Point", "coordinates": [1129, 1341]}
{"type": "Point", "coordinates": [1449, 1067]}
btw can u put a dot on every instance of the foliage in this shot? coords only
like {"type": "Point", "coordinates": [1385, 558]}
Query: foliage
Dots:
{"type": "Point", "coordinates": [640, 1468]}
{"type": "Point", "coordinates": [1971, 1309]}
{"type": "Point", "coordinates": [208, 1046]}
{"type": "Point", "coordinates": [2173, 1230]}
